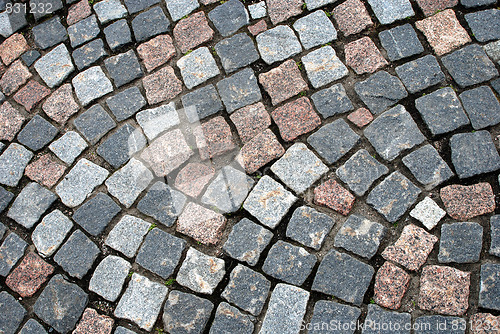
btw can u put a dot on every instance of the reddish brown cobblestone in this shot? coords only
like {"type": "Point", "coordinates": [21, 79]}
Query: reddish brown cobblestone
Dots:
{"type": "Point", "coordinates": [251, 120]}
{"type": "Point", "coordinates": [352, 17]}
{"type": "Point", "coordinates": [10, 121]}
{"type": "Point", "coordinates": [94, 323]}
{"type": "Point", "coordinates": [162, 85]}
{"type": "Point", "coordinates": [465, 202]}
{"type": "Point", "coordinates": [431, 7]}
{"type": "Point", "coordinates": [192, 32]}
{"type": "Point", "coordinates": [363, 56]}
{"type": "Point", "coordinates": [258, 27]}
{"type": "Point", "coordinates": [334, 196]}
{"type": "Point", "coordinates": [484, 323]}
{"type": "Point", "coordinates": [29, 276]}
{"type": "Point", "coordinates": [391, 283]}
{"type": "Point", "coordinates": [45, 170]}
{"type": "Point", "coordinates": [201, 224]}
{"type": "Point", "coordinates": [78, 12]}
{"type": "Point", "coordinates": [15, 76]}
{"type": "Point", "coordinates": [282, 10]}
{"type": "Point", "coordinates": [214, 138]}
{"type": "Point", "coordinates": [12, 48]}
{"type": "Point", "coordinates": [156, 52]}
{"type": "Point", "coordinates": [283, 82]}
{"type": "Point", "coordinates": [361, 117]}
{"type": "Point", "coordinates": [31, 94]}
{"type": "Point", "coordinates": [193, 178]}
{"type": "Point", "coordinates": [259, 151]}
{"type": "Point", "coordinates": [61, 104]}
{"type": "Point", "coordinates": [296, 118]}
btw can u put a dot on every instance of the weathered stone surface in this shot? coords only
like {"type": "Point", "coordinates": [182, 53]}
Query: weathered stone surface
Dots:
{"type": "Point", "coordinates": [352, 17]}
{"type": "Point", "coordinates": [229, 17]}
{"type": "Point", "coordinates": [401, 42]}
{"type": "Point", "coordinates": [428, 213]}
{"type": "Point", "coordinates": [77, 255]}
{"type": "Point", "coordinates": [109, 276]}
{"type": "Point", "coordinates": [50, 233]}
{"type": "Point", "coordinates": [200, 272]}
{"type": "Point", "coordinates": [259, 151]}
{"type": "Point", "coordinates": [126, 103]}
{"type": "Point", "coordinates": [214, 138]}
{"type": "Point", "coordinates": [92, 322]}
{"type": "Point", "coordinates": [331, 194]}
{"type": "Point", "coordinates": [332, 101]}
{"type": "Point", "coordinates": [162, 203]}
{"type": "Point", "coordinates": [465, 202]}
{"type": "Point", "coordinates": [296, 118]}
{"type": "Point", "coordinates": [183, 310]}
{"type": "Point", "coordinates": [68, 147]}
{"type": "Point", "coordinates": [30, 204]}
{"type": "Point", "coordinates": [11, 251]}
{"type": "Point", "coordinates": [192, 179]}
{"type": "Point", "coordinates": [11, 121]}
{"type": "Point", "coordinates": [32, 327]}
{"type": "Point", "coordinates": [91, 85]}
{"type": "Point", "coordinates": [230, 319]}
{"type": "Point", "coordinates": [150, 23]}
{"type": "Point", "coordinates": [156, 51]}
{"type": "Point", "coordinates": [460, 243]}
{"type": "Point", "coordinates": [94, 123]}
{"type": "Point", "coordinates": [83, 31]}
{"type": "Point", "coordinates": [323, 66]}
{"type": "Point", "coordinates": [89, 54]}
{"type": "Point", "coordinates": [391, 283]}
{"type": "Point", "coordinates": [13, 313]}
{"type": "Point", "coordinates": [118, 34]}
{"type": "Point", "coordinates": [484, 24]}
{"type": "Point", "coordinates": [127, 235]}
{"type": "Point", "coordinates": [251, 121]}
{"type": "Point", "coordinates": [489, 286]}
{"type": "Point", "coordinates": [109, 10]}
{"type": "Point", "coordinates": [181, 8]}
{"type": "Point", "coordinates": [337, 316]}
{"type": "Point", "coordinates": [201, 103]}
{"type": "Point", "coordinates": [54, 67]}
{"type": "Point", "coordinates": [420, 74]}
{"type": "Point", "coordinates": [49, 33]}
{"type": "Point", "coordinates": [193, 31]}
{"type": "Point", "coordinates": [360, 236]}
{"type": "Point", "coordinates": [37, 133]}
{"type": "Point", "coordinates": [278, 44]}
{"type": "Point", "coordinates": [309, 227]}
{"type": "Point", "coordinates": [123, 68]}
{"type": "Point", "coordinates": [283, 82]}
{"type": "Point", "coordinates": [12, 48]}
{"type": "Point", "coordinates": [363, 56]}
{"type": "Point", "coordinates": [390, 11]}
{"type": "Point", "coordinates": [239, 90]}
{"type": "Point", "coordinates": [197, 67]}
{"type": "Point", "coordinates": [121, 145]}
{"type": "Point", "coordinates": [13, 161]}
{"type": "Point", "coordinates": [203, 225]}
{"type": "Point", "coordinates": [482, 107]}
{"type": "Point", "coordinates": [162, 85]}
{"type": "Point", "coordinates": [315, 29]}
{"type": "Point", "coordinates": [495, 235]}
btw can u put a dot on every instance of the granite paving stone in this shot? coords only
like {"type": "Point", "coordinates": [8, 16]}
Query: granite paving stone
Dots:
{"type": "Point", "coordinates": [201, 103]}
{"type": "Point", "coordinates": [469, 66]}
{"type": "Point", "coordinates": [123, 68]}
{"type": "Point", "coordinates": [360, 171]}
{"type": "Point", "coordinates": [5, 199]}
{"type": "Point", "coordinates": [14, 77]}
{"type": "Point", "coordinates": [213, 138]}
{"type": "Point", "coordinates": [78, 12]}
{"type": "Point", "coordinates": [184, 310]}
{"type": "Point", "coordinates": [444, 290]}
{"type": "Point", "coordinates": [11, 121]}
{"type": "Point", "coordinates": [118, 34]}
{"type": "Point", "coordinates": [476, 3]}
{"type": "Point", "coordinates": [420, 74]}
{"type": "Point", "coordinates": [280, 11]}
{"type": "Point", "coordinates": [197, 67]}
{"type": "Point", "coordinates": [380, 91]}
{"type": "Point", "coordinates": [393, 132]}
{"type": "Point", "coordinates": [156, 51]}
{"type": "Point", "coordinates": [70, 299]}
{"type": "Point", "coordinates": [109, 10]}
{"type": "Point", "coordinates": [390, 11]}
{"type": "Point", "coordinates": [30, 204]}
{"type": "Point", "coordinates": [192, 179]}
{"type": "Point", "coordinates": [484, 24]}
{"type": "Point", "coordinates": [160, 253]}
{"type": "Point", "coordinates": [460, 243]}
{"type": "Point", "coordinates": [96, 213]}
{"type": "Point", "coordinates": [428, 166]}
{"type": "Point", "coordinates": [200, 272]}
{"type": "Point", "coordinates": [29, 275]}
{"type": "Point", "coordinates": [246, 241]}
{"type": "Point", "coordinates": [13, 314]}
{"type": "Point", "coordinates": [83, 31]}
{"type": "Point", "coordinates": [259, 151]}
{"type": "Point", "coordinates": [473, 154]}
{"type": "Point", "coordinates": [289, 263]}
{"type": "Point", "coordinates": [12, 48]}
{"type": "Point", "coordinates": [239, 90]}
{"type": "Point", "coordinates": [269, 202]}
{"type": "Point", "coordinates": [50, 233]}
{"type": "Point", "coordinates": [332, 101]}
{"type": "Point", "coordinates": [360, 236]}
{"type": "Point", "coordinates": [32, 327]}
{"type": "Point", "coordinates": [89, 54]}
{"type": "Point", "coordinates": [13, 162]}
{"type": "Point", "coordinates": [46, 170]}
{"type": "Point", "coordinates": [109, 276]}
{"type": "Point", "coordinates": [396, 322]}
{"type": "Point", "coordinates": [482, 107]}
{"type": "Point", "coordinates": [400, 42]}
{"type": "Point", "coordinates": [296, 118]}
{"type": "Point", "coordinates": [134, 6]}
{"type": "Point", "coordinates": [68, 147]}
{"type": "Point", "coordinates": [332, 195]}
{"type": "Point", "coordinates": [287, 301]}
{"type": "Point", "coordinates": [162, 85]}
{"type": "Point", "coordinates": [162, 203]}
{"type": "Point", "coordinates": [77, 255]}
{"type": "Point", "coordinates": [277, 44]}
{"type": "Point", "coordinates": [49, 33]}
{"type": "Point", "coordinates": [352, 17]}
{"type": "Point", "coordinates": [91, 84]}
{"type": "Point", "coordinates": [37, 133]}
{"type": "Point", "coordinates": [251, 121]}
{"type": "Point", "coordinates": [315, 29]}
{"type": "Point", "coordinates": [360, 117]}
{"type": "Point", "coordinates": [431, 7]}
{"type": "Point", "coordinates": [333, 140]}
{"type": "Point", "coordinates": [55, 66]}
{"type": "Point", "coordinates": [127, 235]}
{"type": "Point", "coordinates": [323, 66]}
{"type": "Point", "coordinates": [247, 289]}
{"type": "Point", "coordinates": [489, 286]}
{"type": "Point", "coordinates": [482, 323]}
{"type": "Point", "coordinates": [229, 17]}
{"type": "Point", "coordinates": [204, 225]}
{"type": "Point", "coordinates": [412, 248]}
{"type": "Point", "coordinates": [10, 23]}
{"type": "Point", "coordinates": [313, 4]}
{"type": "Point", "coordinates": [31, 94]}
{"type": "Point", "coordinates": [340, 318]}
{"type": "Point", "coordinates": [428, 213]}
{"type": "Point", "coordinates": [495, 235]}
{"type": "Point", "coordinates": [180, 8]}
{"type": "Point", "coordinates": [363, 56]}
{"type": "Point", "coordinates": [93, 322]}
{"type": "Point", "coordinates": [343, 276]}
{"type": "Point", "coordinates": [121, 145]}
{"type": "Point", "coordinates": [496, 85]}
{"type": "Point", "coordinates": [193, 31]}
{"type": "Point", "coordinates": [391, 283]}
{"type": "Point", "coordinates": [81, 180]}
{"type": "Point", "coordinates": [440, 324]}
{"type": "Point", "coordinates": [258, 27]}
{"type": "Point", "coordinates": [236, 52]}
{"type": "Point", "coordinates": [94, 123]}
{"type": "Point", "coordinates": [141, 302]}
{"type": "Point", "coordinates": [150, 23]}
{"type": "Point", "coordinates": [126, 103]}
{"type": "Point", "coordinates": [283, 82]}
{"type": "Point", "coordinates": [230, 319]}
{"type": "Point", "coordinates": [465, 202]}
{"type": "Point", "coordinates": [11, 251]}
{"type": "Point", "coordinates": [493, 50]}
{"type": "Point", "coordinates": [257, 10]}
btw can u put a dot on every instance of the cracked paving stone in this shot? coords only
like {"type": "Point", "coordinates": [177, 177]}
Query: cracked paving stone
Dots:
{"type": "Point", "coordinates": [259, 151]}
{"type": "Point", "coordinates": [251, 121]}
{"type": "Point", "coordinates": [77, 255]}
{"type": "Point", "coordinates": [482, 107]}
{"type": "Point", "coordinates": [201, 103]}
{"type": "Point", "coordinates": [135, 6]}
{"type": "Point", "coordinates": [201, 224]}
{"type": "Point", "coordinates": [156, 51]}
{"type": "Point", "coordinates": [246, 241]}
{"type": "Point", "coordinates": [412, 248]}
{"type": "Point", "coordinates": [277, 44]}
{"type": "Point", "coordinates": [50, 233]}
{"type": "Point", "coordinates": [11, 121]}
{"type": "Point", "coordinates": [13, 162]}
{"type": "Point", "coordinates": [181, 8]}
{"type": "Point", "coordinates": [109, 276]}
{"type": "Point", "coordinates": [280, 11]}
{"type": "Point", "coordinates": [162, 85]}
{"type": "Point", "coordinates": [55, 66]}
{"type": "Point", "coordinates": [333, 313]}
{"type": "Point", "coordinates": [323, 66]}
{"type": "Point", "coordinates": [299, 168]}
{"type": "Point", "coordinates": [118, 34]}
{"type": "Point", "coordinates": [442, 111]}
{"type": "Point", "coordinates": [160, 253]}
{"type": "Point", "coordinates": [31, 94]}
{"type": "Point", "coordinates": [12, 314]}
{"type": "Point", "coordinates": [239, 90]}
{"type": "Point", "coordinates": [32, 327]}
{"type": "Point", "coordinates": [193, 31]}
{"type": "Point", "coordinates": [61, 105]}
{"type": "Point", "coordinates": [214, 138]}
{"type": "Point", "coordinates": [474, 154]}
{"type": "Point", "coordinates": [439, 324]}
{"type": "Point", "coordinates": [93, 322]}
{"type": "Point", "coordinates": [489, 286]}
{"type": "Point", "coordinates": [393, 196]}
{"type": "Point", "coordinates": [200, 272]}
{"type": "Point", "coordinates": [428, 213]}
{"type": "Point", "coordinates": [460, 243]}
{"type": "Point", "coordinates": [49, 33]}
{"type": "Point", "coordinates": [81, 180]}
{"type": "Point", "coordinates": [352, 17]}
{"type": "Point", "coordinates": [315, 29]}
{"type": "Point", "coordinates": [192, 179]}
{"type": "Point", "coordinates": [393, 132]}
{"type": "Point", "coordinates": [83, 31]}
{"type": "Point", "coordinates": [343, 276]}
{"type": "Point", "coordinates": [420, 74]}
{"type": "Point", "coordinates": [269, 202]}
{"type": "Point", "coordinates": [391, 283]}
{"type": "Point", "coordinates": [332, 101]}
{"type": "Point", "coordinates": [16, 75]}
{"type": "Point", "coordinates": [296, 118]}
{"type": "Point", "coordinates": [360, 171]}
{"type": "Point", "coordinates": [12, 48]}
{"type": "Point", "coordinates": [68, 147]}
{"type": "Point", "coordinates": [70, 300]}
{"type": "Point", "coordinates": [401, 322]}
{"type": "Point", "coordinates": [289, 263]}
{"type": "Point", "coordinates": [428, 166]}
{"type": "Point", "coordinates": [495, 235]}
{"type": "Point", "coordinates": [127, 183]}
{"type": "Point", "coordinates": [127, 235]}
{"type": "Point", "coordinates": [380, 91]}
{"type": "Point", "coordinates": [401, 42]}
{"type": "Point", "coordinates": [197, 67]}
{"type": "Point", "coordinates": [230, 319]}
{"type": "Point", "coordinates": [286, 302]}
{"type": "Point", "coordinates": [5, 199]}
{"type": "Point", "coordinates": [30, 204]}
{"type": "Point", "coordinates": [91, 84]}
{"type": "Point", "coordinates": [485, 24]}
{"type": "Point", "coordinates": [141, 302]}
{"type": "Point", "coordinates": [360, 236]}
{"type": "Point", "coordinates": [122, 145]}
{"type": "Point", "coordinates": [465, 202]}
{"type": "Point", "coordinates": [283, 82]}
{"type": "Point", "coordinates": [29, 276]}
{"type": "Point", "coordinates": [363, 56]}
{"type": "Point", "coordinates": [389, 11]}
{"type": "Point", "coordinates": [236, 52]}
{"type": "Point", "coordinates": [123, 68]}
{"type": "Point", "coordinates": [126, 103]}
{"type": "Point", "coordinates": [11, 251]}
{"type": "Point", "coordinates": [94, 123]}
{"type": "Point", "coordinates": [183, 310]}
{"type": "Point", "coordinates": [96, 213]}
{"type": "Point", "coordinates": [229, 17]}
{"type": "Point", "coordinates": [162, 203]}
{"type": "Point", "coordinates": [109, 10]}
{"type": "Point", "coordinates": [444, 290]}
{"type": "Point", "coordinates": [89, 54]}
{"type": "Point", "coordinates": [332, 195]}
{"type": "Point", "coordinates": [37, 133]}
{"type": "Point", "coordinates": [150, 23]}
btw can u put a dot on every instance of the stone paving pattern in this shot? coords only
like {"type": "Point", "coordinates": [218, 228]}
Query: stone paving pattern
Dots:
{"type": "Point", "coordinates": [249, 166]}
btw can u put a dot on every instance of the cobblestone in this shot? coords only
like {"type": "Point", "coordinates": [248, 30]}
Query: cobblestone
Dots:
{"type": "Point", "coordinates": [278, 44]}
{"type": "Point", "coordinates": [123, 68]}
{"type": "Point", "coordinates": [428, 213]}
{"type": "Point", "coordinates": [201, 103]}
{"type": "Point", "coordinates": [118, 34]}
{"type": "Point", "coordinates": [96, 213]}
{"type": "Point", "coordinates": [94, 123]}
{"type": "Point", "coordinates": [323, 66]}
{"type": "Point", "coordinates": [200, 272]}
{"type": "Point", "coordinates": [193, 31]}
{"type": "Point", "coordinates": [229, 17]}
{"type": "Point", "coordinates": [162, 203]}
{"type": "Point", "coordinates": [156, 51]}
{"type": "Point", "coordinates": [83, 31]}
{"type": "Point", "coordinates": [50, 233]}
{"type": "Point", "coordinates": [11, 251]}
{"type": "Point", "coordinates": [30, 204]}
{"type": "Point", "coordinates": [150, 23]}
{"type": "Point", "coordinates": [197, 67]}
{"type": "Point", "coordinates": [239, 90]}
{"type": "Point", "coordinates": [332, 101]}
{"type": "Point", "coordinates": [360, 236]}
{"type": "Point", "coordinates": [484, 24]}
{"type": "Point", "coordinates": [363, 56]}
{"type": "Point", "coordinates": [315, 29]}
{"type": "Point", "coordinates": [14, 312]}
{"type": "Point", "coordinates": [352, 17]}
{"type": "Point", "coordinates": [391, 283]}
{"type": "Point", "coordinates": [460, 243]}
{"type": "Point", "coordinates": [27, 278]}
{"type": "Point", "coordinates": [126, 103]}
{"type": "Point", "coordinates": [283, 82]}
{"type": "Point", "coordinates": [13, 162]}
{"type": "Point", "coordinates": [109, 277]}
{"type": "Point", "coordinates": [476, 101]}
{"type": "Point", "coordinates": [186, 310]}
{"type": "Point", "coordinates": [229, 318]}
{"type": "Point", "coordinates": [401, 42]}
{"type": "Point", "coordinates": [91, 85]}
{"type": "Point", "coordinates": [77, 255]}
{"type": "Point", "coordinates": [89, 54]}
{"type": "Point", "coordinates": [377, 315]}
{"type": "Point", "coordinates": [49, 33]}
{"type": "Point", "coordinates": [68, 147]}
{"type": "Point", "coordinates": [465, 202]}
{"type": "Point", "coordinates": [295, 118]}
{"type": "Point", "coordinates": [203, 225]}
{"type": "Point", "coordinates": [428, 167]}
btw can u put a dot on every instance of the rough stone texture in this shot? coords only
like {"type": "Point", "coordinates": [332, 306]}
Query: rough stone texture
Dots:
{"type": "Point", "coordinates": [200, 272]}
{"type": "Point", "coordinates": [389, 11]}
{"type": "Point", "coordinates": [126, 103]}
{"type": "Point", "coordinates": [295, 118]}
{"type": "Point", "coordinates": [61, 105]}
{"type": "Point", "coordinates": [288, 302]}
{"type": "Point", "coordinates": [141, 302]}
{"type": "Point", "coordinates": [13, 313]}
{"type": "Point", "coordinates": [495, 235]}
{"type": "Point", "coordinates": [162, 203]}
{"type": "Point", "coordinates": [54, 67]}
{"type": "Point", "coordinates": [49, 33]}
{"type": "Point", "coordinates": [247, 289]}
{"type": "Point", "coordinates": [278, 44]}
{"type": "Point", "coordinates": [465, 202]}
{"type": "Point", "coordinates": [428, 213]}
{"type": "Point", "coordinates": [30, 204]}
{"type": "Point", "coordinates": [13, 162]}
{"type": "Point", "coordinates": [89, 54]}
{"type": "Point", "coordinates": [323, 66]}
{"type": "Point", "coordinates": [150, 23]}
{"type": "Point", "coordinates": [94, 123]}
{"type": "Point", "coordinates": [16, 75]}
{"type": "Point", "coordinates": [352, 17]}
{"type": "Point", "coordinates": [121, 145]}
{"type": "Point", "coordinates": [83, 31]}
{"type": "Point", "coordinates": [401, 42]}
{"type": "Point", "coordinates": [162, 85]}
{"type": "Point", "coordinates": [127, 235]}
{"type": "Point", "coordinates": [251, 121]}
{"type": "Point", "coordinates": [192, 32]}
{"type": "Point", "coordinates": [201, 103]}
{"type": "Point", "coordinates": [395, 322]}
{"type": "Point", "coordinates": [68, 147]}
{"type": "Point", "coordinates": [109, 10]}
{"type": "Point", "coordinates": [45, 170]}
{"type": "Point", "coordinates": [37, 133]}
{"type": "Point", "coordinates": [229, 17]}
{"type": "Point", "coordinates": [239, 90]}
{"type": "Point", "coordinates": [444, 290]}
{"type": "Point", "coordinates": [192, 179]}
{"type": "Point", "coordinates": [91, 85]}
{"type": "Point", "coordinates": [482, 107]}
{"type": "Point", "coordinates": [201, 224]}
{"type": "Point", "coordinates": [309, 227]}
{"type": "Point", "coordinates": [95, 214]}
{"type": "Point", "coordinates": [77, 255]}
{"type": "Point", "coordinates": [11, 121]}
{"type": "Point", "coordinates": [280, 11]}
{"type": "Point", "coordinates": [32, 93]}
{"type": "Point", "coordinates": [78, 12]}
{"type": "Point", "coordinates": [183, 310]}
{"type": "Point", "coordinates": [412, 248]}
{"type": "Point", "coordinates": [484, 24]}
{"type": "Point", "coordinates": [460, 243]}
{"type": "Point", "coordinates": [109, 276]}
{"type": "Point", "coordinates": [118, 34]}
{"type": "Point", "coordinates": [32, 327]}
{"type": "Point", "coordinates": [343, 276]}
{"type": "Point", "coordinates": [333, 140]}
{"type": "Point", "coordinates": [283, 82]}
{"type": "Point", "coordinates": [50, 233]}
{"type": "Point", "coordinates": [493, 50]}
{"type": "Point", "coordinates": [257, 10]}
{"type": "Point", "coordinates": [483, 323]}
{"type": "Point", "coordinates": [180, 8]}
{"type": "Point", "coordinates": [92, 322]}
{"type": "Point", "coordinates": [230, 319]}
{"type": "Point", "coordinates": [315, 29]}
{"type": "Point", "coordinates": [332, 195]}
{"type": "Point", "coordinates": [391, 283]}
{"type": "Point", "coordinates": [123, 68]}
{"type": "Point", "coordinates": [135, 6]}
{"type": "Point", "coordinates": [259, 151]}
{"type": "Point", "coordinates": [360, 236]}
{"type": "Point", "coordinates": [336, 315]}
{"type": "Point", "coordinates": [332, 101]}
{"type": "Point", "coordinates": [12, 48]}
{"type": "Point", "coordinates": [156, 51]}
{"type": "Point", "coordinates": [5, 198]}
{"type": "Point", "coordinates": [420, 74]}
{"type": "Point", "coordinates": [214, 138]}
{"type": "Point", "coordinates": [197, 67]}
{"type": "Point", "coordinates": [269, 201]}
{"type": "Point", "coordinates": [29, 276]}
{"type": "Point", "coordinates": [258, 27]}
{"type": "Point", "coordinates": [431, 7]}
{"type": "Point", "coordinates": [489, 286]}
{"type": "Point", "coordinates": [363, 56]}
{"type": "Point", "coordinates": [11, 251]}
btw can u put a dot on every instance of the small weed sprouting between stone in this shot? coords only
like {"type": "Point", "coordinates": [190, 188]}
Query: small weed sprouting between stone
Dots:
{"type": "Point", "coordinates": [152, 227]}
{"type": "Point", "coordinates": [170, 281]}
